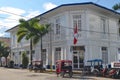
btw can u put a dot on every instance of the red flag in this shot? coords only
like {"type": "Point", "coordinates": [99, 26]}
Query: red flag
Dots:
{"type": "Point", "coordinates": [75, 35]}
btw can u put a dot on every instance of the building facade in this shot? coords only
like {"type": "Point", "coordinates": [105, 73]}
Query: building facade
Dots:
{"type": "Point", "coordinates": [98, 36]}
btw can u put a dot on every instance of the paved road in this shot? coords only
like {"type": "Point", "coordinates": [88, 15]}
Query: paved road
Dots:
{"type": "Point", "coordinates": [21, 74]}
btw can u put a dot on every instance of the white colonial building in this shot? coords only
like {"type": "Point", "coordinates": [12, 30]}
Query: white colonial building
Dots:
{"type": "Point", "coordinates": [98, 35]}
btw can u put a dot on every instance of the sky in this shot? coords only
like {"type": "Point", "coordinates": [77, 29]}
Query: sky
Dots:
{"type": "Point", "coordinates": [13, 10]}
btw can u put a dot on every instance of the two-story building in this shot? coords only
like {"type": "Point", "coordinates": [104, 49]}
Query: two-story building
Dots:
{"type": "Point", "coordinates": [98, 35]}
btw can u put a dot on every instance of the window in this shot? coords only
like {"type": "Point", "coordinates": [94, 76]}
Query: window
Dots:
{"type": "Point", "coordinates": [119, 50]}
{"type": "Point", "coordinates": [44, 56]}
{"type": "Point", "coordinates": [19, 52]}
{"type": "Point", "coordinates": [27, 52]}
{"type": "Point", "coordinates": [13, 40]}
{"type": "Point", "coordinates": [77, 22]}
{"type": "Point", "coordinates": [104, 55]}
{"type": "Point", "coordinates": [57, 54]}
{"type": "Point", "coordinates": [103, 24]}
{"type": "Point", "coordinates": [104, 28]}
{"type": "Point", "coordinates": [57, 26]}
{"type": "Point", "coordinates": [119, 30]}
{"type": "Point", "coordinates": [119, 54]}
{"type": "Point", "coordinates": [13, 53]}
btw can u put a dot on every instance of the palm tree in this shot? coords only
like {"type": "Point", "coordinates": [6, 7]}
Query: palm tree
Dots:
{"type": "Point", "coordinates": [40, 30]}
{"type": "Point", "coordinates": [32, 30]}
{"type": "Point", "coordinates": [116, 6]}
{"type": "Point", "coordinates": [25, 31]}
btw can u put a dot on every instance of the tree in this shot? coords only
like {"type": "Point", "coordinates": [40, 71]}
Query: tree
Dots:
{"type": "Point", "coordinates": [24, 60]}
{"type": "Point", "coordinates": [116, 6]}
{"type": "Point", "coordinates": [40, 30]}
{"type": "Point", "coordinates": [25, 30]}
{"type": "Point", "coordinates": [32, 30]}
{"type": "Point", "coordinates": [1, 50]}
{"type": "Point", "coordinates": [4, 51]}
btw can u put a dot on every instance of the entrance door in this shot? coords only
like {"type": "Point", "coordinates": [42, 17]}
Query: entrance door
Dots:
{"type": "Point", "coordinates": [78, 59]}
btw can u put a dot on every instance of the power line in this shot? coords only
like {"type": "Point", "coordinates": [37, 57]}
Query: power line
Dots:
{"type": "Point", "coordinates": [8, 18]}
{"type": "Point", "coordinates": [13, 14]}
{"type": "Point", "coordinates": [69, 28]}
{"type": "Point", "coordinates": [92, 31]}
{"type": "Point", "coordinates": [83, 30]}
{"type": "Point", "coordinates": [4, 25]}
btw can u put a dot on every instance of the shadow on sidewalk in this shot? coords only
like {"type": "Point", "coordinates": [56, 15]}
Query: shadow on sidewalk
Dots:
{"type": "Point", "coordinates": [78, 76]}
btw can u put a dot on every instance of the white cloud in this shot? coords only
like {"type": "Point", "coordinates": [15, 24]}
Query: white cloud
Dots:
{"type": "Point", "coordinates": [49, 6]}
{"type": "Point", "coordinates": [12, 20]}
{"type": "Point", "coordinates": [4, 10]}
{"type": "Point", "coordinates": [32, 14]}
{"type": "Point", "coordinates": [2, 34]}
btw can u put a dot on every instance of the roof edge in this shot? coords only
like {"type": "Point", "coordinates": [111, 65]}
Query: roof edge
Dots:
{"type": "Point", "coordinates": [85, 3]}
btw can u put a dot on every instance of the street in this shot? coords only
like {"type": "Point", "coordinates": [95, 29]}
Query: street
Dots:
{"type": "Point", "coordinates": [23, 74]}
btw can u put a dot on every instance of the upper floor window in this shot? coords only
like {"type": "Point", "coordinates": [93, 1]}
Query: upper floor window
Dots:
{"type": "Point", "coordinates": [104, 28]}
{"type": "Point", "coordinates": [57, 22]}
{"type": "Point", "coordinates": [13, 39]}
{"type": "Point", "coordinates": [103, 25]}
{"type": "Point", "coordinates": [77, 22]}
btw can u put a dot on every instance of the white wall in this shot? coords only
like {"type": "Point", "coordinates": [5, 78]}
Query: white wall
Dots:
{"type": "Point", "coordinates": [90, 36]}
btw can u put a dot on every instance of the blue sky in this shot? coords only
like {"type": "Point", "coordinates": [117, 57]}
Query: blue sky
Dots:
{"type": "Point", "coordinates": [31, 8]}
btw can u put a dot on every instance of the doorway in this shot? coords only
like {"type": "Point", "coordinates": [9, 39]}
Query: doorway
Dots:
{"type": "Point", "coordinates": [78, 58]}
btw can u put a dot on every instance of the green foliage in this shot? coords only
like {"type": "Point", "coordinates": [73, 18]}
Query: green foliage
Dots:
{"type": "Point", "coordinates": [24, 60]}
{"type": "Point", "coordinates": [4, 50]}
{"type": "Point", "coordinates": [26, 29]}
{"type": "Point", "coordinates": [116, 6]}
{"type": "Point", "coordinates": [32, 30]}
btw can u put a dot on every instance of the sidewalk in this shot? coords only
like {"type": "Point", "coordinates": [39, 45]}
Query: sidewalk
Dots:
{"type": "Point", "coordinates": [77, 75]}
{"type": "Point", "coordinates": [86, 77]}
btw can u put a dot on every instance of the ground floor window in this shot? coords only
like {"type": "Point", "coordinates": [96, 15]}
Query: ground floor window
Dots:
{"type": "Point", "coordinates": [57, 54]}
{"type": "Point", "coordinates": [44, 56]}
{"type": "Point", "coordinates": [104, 55]}
{"type": "Point", "coordinates": [119, 54]}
